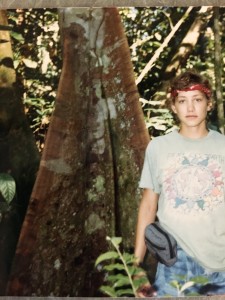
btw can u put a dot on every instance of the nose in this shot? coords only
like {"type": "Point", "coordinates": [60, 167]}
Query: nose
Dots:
{"type": "Point", "coordinates": [190, 106]}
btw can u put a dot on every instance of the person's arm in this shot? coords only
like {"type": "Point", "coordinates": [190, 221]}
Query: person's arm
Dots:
{"type": "Point", "coordinates": [146, 215]}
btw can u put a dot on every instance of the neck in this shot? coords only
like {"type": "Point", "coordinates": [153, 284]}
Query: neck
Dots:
{"type": "Point", "coordinates": [193, 132]}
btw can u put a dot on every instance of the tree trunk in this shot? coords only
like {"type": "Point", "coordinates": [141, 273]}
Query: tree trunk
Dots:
{"type": "Point", "coordinates": [218, 71]}
{"type": "Point", "coordinates": [18, 155]}
{"type": "Point", "coordinates": [87, 184]}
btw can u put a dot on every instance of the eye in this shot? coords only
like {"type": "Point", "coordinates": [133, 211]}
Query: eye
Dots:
{"type": "Point", "coordinates": [181, 101]}
{"type": "Point", "coordinates": [198, 99]}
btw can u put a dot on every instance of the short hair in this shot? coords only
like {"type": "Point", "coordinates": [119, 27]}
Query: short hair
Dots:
{"type": "Point", "coordinates": [184, 81]}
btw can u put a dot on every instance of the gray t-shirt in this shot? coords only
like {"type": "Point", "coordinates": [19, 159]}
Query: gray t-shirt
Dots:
{"type": "Point", "coordinates": [189, 176]}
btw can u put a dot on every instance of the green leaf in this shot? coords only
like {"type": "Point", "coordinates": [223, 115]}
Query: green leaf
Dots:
{"type": "Point", "coordinates": [126, 292]}
{"type": "Point", "coordinates": [200, 280]}
{"type": "Point", "coordinates": [108, 291]}
{"type": "Point", "coordinates": [113, 267]}
{"type": "Point", "coordinates": [17, 36]}
{"type": "Point", "coordinates": [116, 240]}
{"type": "Point", "coordinates": [186, 286]}
{"type": "Point", "coordinates": [140, 282]}
{"type": "Point", "coordinates": [174, 284]}
{"type": "Point", "coordinates": [114, 278]}
{"type": "Point", "coordinates": [129, 258]}
{"type": "Point", "coordinates": [133, 270]}
{"type": "Point", "coordinates": [140, 279]}
{"type": "Point", "coordinates": [7, 187]}
{"type": "Point", "coordinates": [122, 282]}
{"type": "Point", "coordinates": [106, 256]}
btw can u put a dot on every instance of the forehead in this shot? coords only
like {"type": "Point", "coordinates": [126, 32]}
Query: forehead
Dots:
{"type": "Point", "coordinates": [188, 94]}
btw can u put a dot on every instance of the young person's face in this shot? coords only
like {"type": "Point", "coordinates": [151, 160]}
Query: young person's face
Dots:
{"type": "Point", "coordinates": [191, 108]}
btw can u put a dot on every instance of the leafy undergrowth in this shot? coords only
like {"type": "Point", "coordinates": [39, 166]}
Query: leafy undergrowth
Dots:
{"type": "Point", "coordinates": [122, 276]}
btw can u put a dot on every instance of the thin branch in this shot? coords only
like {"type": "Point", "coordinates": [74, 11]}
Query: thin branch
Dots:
{"type": "Point", "coordinates": [150, 64]}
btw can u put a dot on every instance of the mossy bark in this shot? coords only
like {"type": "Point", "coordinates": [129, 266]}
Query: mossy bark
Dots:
{"type": "Point", "coordinates": [87, 184]}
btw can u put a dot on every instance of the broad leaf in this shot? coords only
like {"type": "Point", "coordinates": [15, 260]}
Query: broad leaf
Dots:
{"type": "Point", "coordinates": [200, 280]}
{"type": "Point", "coordinates": [129, 258]}
{"type": "Point", "coordinates": [140, 282]}
{"type": "Point", "coordinates": [114, 267]}
{"type": "Point", "coordinates": [108, 291]}
{"type": "Point", "coordinates": [122, 282]}
{"type": "Point", "coordinates": [17, 36]}
{"type": "Point", "coordinates": [116, 240]}
{"type": "Point", "coordinates": [186, 285]}
{"type": "Point", "coordinates": [7, 187]}
{"type": "Point", "coordinates": [125, 292]}
{"type": "Point", "coordinates": [114, 278]}
{"type": "Point", "coordinates": [133, 270]}
{"type": "Point", "coordinates": [174, 284]}
{"type": "Point", "coordinates": [106, 256]}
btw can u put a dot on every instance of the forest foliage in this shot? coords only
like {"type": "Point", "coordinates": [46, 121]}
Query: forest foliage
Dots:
{"type": "Point", "coordinates": [38, 62]}
{"type": "Point", "coordinates": [37, 58]}
{"type": "Point", "coordinates": [37, 51]}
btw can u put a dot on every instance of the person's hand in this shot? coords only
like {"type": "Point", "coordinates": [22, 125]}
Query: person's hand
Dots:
{"type": "Point", "coordinates": [146, 291]}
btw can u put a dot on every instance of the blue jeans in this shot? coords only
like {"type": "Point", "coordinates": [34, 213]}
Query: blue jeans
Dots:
{"type": "Point", "coordinates": [187, 278]}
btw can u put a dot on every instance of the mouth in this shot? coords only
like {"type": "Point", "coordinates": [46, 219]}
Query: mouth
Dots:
{"type": "Point", "coordinates": [191, 116]}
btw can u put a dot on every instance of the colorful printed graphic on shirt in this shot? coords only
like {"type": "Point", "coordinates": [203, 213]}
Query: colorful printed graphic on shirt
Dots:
{"type": "Point", "coordinates": [194, 183]}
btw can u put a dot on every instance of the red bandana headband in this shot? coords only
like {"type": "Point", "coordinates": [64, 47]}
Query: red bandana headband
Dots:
{"type": "Point", "coordinates": [195, 87]}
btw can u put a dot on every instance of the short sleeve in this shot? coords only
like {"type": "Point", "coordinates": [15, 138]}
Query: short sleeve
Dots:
{"type": "Point", "coordinates": [149, 173]}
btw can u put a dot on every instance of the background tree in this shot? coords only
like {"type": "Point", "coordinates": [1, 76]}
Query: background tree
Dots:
{"type": "Point", "coordinates": [218, 71]}
{"type": "Point", "coordinates": [86, 187]}
{"type": "Point", "coordinates": [19, 157]}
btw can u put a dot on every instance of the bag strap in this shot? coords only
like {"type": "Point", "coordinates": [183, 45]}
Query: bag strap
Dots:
{"type": "Point", "coordinates": [166, 236]}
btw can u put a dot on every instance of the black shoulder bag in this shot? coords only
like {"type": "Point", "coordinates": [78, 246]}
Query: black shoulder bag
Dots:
{"type": "Point", "coordinates": [161, 244]}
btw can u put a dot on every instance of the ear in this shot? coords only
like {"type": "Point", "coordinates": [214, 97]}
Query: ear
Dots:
{"type": "Point", "coordinates": [173, 108]}
{"type": "Point", "coordinates": [210, 105]}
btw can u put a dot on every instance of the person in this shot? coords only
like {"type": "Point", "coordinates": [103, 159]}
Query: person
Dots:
{"type": "Point", "coordinates": [183, 183]}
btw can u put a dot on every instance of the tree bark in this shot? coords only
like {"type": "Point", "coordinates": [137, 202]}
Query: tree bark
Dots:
{"type": "Point", "coordinates": [218, 71]}
{"type": "Point", "coordinates": [18, 154]}
{"type": "Point", "coordinates": [87, 184]}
